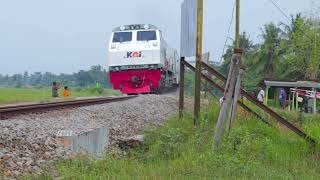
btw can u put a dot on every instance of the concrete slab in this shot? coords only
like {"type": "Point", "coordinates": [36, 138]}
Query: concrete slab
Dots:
{"type": "Point", "coordinates": [92, 143]}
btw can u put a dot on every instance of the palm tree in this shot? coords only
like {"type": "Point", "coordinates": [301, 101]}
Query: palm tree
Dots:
{"type": "Point", "coordinates": [302, 36]}
{"type": "Point", "coordinates": [270, 51]}
{"type": "Point", "coordinates": [245, 44]}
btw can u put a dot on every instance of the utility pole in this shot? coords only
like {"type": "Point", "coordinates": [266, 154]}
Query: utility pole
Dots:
{"type": "Point", "coordinates": [198, 62]}
{"type": "Point", "coordinates": [240, 74]}
{"type": "Point", "coordinates": [232, 87]}
{"type": "Point", "coordinates": [237, 36]}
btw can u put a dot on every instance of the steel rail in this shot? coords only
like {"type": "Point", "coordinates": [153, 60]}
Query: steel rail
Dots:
{"type": "Point", "coordinates": [48, 103]}
{"type": "Point", "coordinates": [265, 108]}
{"type": "Point", "coordinates": [40, 107]}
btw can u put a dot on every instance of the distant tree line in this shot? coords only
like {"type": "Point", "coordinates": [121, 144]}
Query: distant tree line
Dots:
{"type": "Point", "coordinates": [286, 52]}
{"type": "Point", "coordinates": [37, 79]}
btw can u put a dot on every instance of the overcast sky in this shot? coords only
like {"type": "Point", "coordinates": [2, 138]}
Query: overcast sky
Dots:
{"type": "Point", "coordinates": [64, 36]}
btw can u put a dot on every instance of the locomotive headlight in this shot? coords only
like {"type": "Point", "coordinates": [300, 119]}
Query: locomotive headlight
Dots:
{"type": "Point", "coordinates": [117, 68]}
{"type": "Point", "coordinates": [113, 46]}
{"type": "Point", "coordinates": [155, 44]}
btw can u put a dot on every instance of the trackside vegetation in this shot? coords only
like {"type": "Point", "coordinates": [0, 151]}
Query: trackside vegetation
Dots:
{"type": "Point", "coordinates": [17, 95]}
{"type": "Point", "coordinates": [178, 150]}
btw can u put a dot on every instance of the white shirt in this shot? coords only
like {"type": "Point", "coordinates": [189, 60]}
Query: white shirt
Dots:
{"type": "Point", "coordinates": [261, 95]}
{"type": "Point", "coordinates": [221, 101]}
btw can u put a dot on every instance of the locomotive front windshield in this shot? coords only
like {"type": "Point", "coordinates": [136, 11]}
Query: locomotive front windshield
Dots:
{"type": "Point", "coordinates": [146, 36]}
{"type": "Point", "coordinates": [122, 37]}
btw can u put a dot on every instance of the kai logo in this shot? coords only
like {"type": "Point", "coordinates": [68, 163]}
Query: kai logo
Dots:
{"type": "Point", "coordinates": [134, 54]}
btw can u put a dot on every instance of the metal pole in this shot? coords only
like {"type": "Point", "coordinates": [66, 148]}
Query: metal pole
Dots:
{"type": "Point", "coordinates": [293, 100]}
{"type": "Point", "coordinates": [181, 89]}
{"type": "Point", "coordinates": [297, 102]}
{"type": "Point", "coordinates": [237, 36]}
{"type": "Point", "coordinates": [206, 82]}
{"type": "Point", "coordinates": [315, 101]}
{"type": "Point", "coordinates": [315, 76]}
{"type": "Point", "coordinates": [266, 96]}
{"type": "Point", "coordinates": [289, 106]}
{"type": "Point", "coordinates": [198, 62]}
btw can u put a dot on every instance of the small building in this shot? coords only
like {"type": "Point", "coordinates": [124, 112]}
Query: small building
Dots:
{"type": "Point", "coordinates": [308, 90]}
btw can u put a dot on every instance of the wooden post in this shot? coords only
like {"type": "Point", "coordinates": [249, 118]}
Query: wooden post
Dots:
{"type": "Point", "coordinates": [229, 91]}
{"type": "Point", "coordinates": [240, 73]}
{"type": "Point", "coordinates": [181, 88]}
{"type": "Point", "coordinates": [198, 63]}
{"type": "Point", "coordinates": [231, 82]}
{"type": "Point", "coordinates": [236, 94]}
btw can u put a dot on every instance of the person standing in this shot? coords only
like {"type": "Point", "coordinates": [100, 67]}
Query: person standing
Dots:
{"type": "Point", "coordinates": [55, 88]}
{"type": "Point", "coordinates": [98, 87]}
{"type": "Point", "coordinates": [282, 98]}
{"type": "Point", "coordinates": [261, 95]}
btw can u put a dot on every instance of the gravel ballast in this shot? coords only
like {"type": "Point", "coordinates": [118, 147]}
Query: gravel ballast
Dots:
{"type": "Point", "coordinates": [27, 141]}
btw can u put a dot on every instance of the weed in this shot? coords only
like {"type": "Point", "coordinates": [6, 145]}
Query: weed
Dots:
{"type": "Point", "coordinates": [178, 150]}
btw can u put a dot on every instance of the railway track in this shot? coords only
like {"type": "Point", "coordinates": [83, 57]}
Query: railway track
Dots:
{"type": "Point", "coordinates": [9, 111]}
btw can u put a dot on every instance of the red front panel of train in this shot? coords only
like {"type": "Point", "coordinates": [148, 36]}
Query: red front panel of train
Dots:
{"type": "Point", "coordinates": [135, 81]}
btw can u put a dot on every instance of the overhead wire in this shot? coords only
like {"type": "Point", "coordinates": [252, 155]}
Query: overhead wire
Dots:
{"type": "Point", "coordinates": [278, 7]}
{"type": "Point", "coordinates": [290, 20]}
{"type": "Point", "coordinates": [287, 17]}
{"type": "Point", "coordinates": [229, 28]}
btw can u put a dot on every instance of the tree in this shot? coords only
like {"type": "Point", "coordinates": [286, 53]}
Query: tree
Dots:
{"type": "Point", "coordinates": [82, 78]}
{"type": "Point", "coordinates": [245, 43]}
{"type": "Point", "coordinates": [302, 56]}
{"type": "Point", "coordinates": [269, 54]}
{"type": "Point", "coordinates": [25, 78]}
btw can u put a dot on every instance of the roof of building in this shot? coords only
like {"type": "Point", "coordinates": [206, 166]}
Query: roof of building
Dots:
{"type": "Point", "coordinates": [293, 84]}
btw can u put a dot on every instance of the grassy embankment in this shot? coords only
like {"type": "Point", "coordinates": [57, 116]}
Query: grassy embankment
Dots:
{"type": "Point", "coordinates": [16, 95]}
{"type": "Point", "coordinates": [252, 150]}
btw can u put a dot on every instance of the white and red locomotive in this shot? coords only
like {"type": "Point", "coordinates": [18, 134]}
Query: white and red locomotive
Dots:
{"type": "Point", "coordinates": [140, 60]}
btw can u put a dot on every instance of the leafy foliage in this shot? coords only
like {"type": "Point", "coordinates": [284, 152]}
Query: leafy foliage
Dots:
{"type": "Point", "coordinates": [39, 79]}
{"type": "Point", "coordinates": [286, 52]}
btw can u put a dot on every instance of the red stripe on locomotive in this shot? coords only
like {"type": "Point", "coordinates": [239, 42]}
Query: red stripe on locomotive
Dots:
{"type": "Point", "coordinates": [135, 81]}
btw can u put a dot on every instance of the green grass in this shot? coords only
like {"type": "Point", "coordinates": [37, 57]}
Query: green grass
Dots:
{"type": "Point", "coordinates": [252, 150]}
{"type": "Point", "coordinates": [16, 95]}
